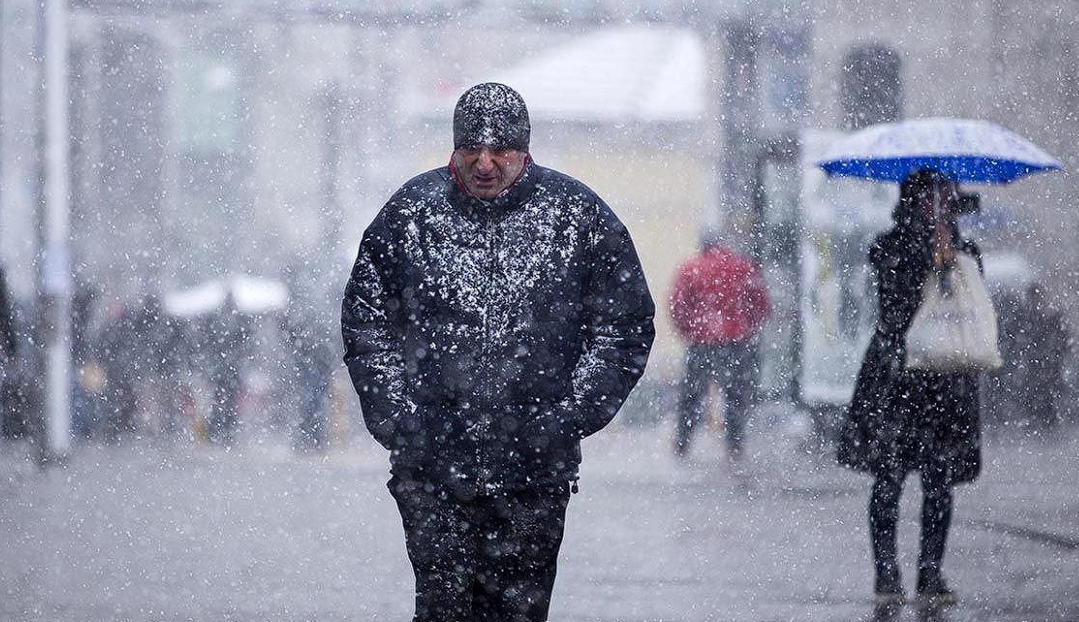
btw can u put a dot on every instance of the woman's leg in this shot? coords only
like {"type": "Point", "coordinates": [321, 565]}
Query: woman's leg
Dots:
{"type": "Point", "coordinates": [695, 385]}
{"type": "Point", "coordinates": [936, 520]}
{"type": "Point", "coordinates": [883, 516]}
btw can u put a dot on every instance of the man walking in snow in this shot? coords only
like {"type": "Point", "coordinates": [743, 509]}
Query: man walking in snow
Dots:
{"type": "Point", "coordinates": [496, 315]}
{"type": "Point", "coordinates": [718, 304]}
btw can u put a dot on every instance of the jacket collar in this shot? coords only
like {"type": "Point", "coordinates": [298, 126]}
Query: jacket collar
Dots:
{"type": "Point", "coordinates": [494, 210]}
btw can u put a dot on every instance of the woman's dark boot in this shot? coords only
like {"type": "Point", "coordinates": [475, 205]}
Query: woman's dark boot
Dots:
{"type": "Point", "coordinates": [888, 589]}
{"type": "Point", "coordinates": [932, 589]}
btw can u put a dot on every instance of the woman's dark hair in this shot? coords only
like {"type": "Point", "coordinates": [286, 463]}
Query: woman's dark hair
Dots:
{"type": "Point", "coordinates": [912, 191]}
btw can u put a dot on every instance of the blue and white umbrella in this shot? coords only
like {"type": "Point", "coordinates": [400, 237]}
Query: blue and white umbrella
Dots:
{"type": "Point", "coordinates": [964, 150]}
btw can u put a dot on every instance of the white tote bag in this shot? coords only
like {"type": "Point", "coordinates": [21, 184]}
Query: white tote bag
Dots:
{"type": "Point", "coordinates": [955, 327]}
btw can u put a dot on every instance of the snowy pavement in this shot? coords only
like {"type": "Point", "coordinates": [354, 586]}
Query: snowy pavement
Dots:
{"type": "Point", "coordinates": [152, 533]}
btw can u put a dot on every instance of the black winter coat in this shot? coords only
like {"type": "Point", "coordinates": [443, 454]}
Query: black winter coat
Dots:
{"type": "Point", "coordinates": [485, 339]}
{"type": "Point", "coordinates": [901, 420]}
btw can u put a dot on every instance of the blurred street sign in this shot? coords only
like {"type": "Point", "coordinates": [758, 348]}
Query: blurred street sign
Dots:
{"type": "Point", "coordinates": [992, 217]}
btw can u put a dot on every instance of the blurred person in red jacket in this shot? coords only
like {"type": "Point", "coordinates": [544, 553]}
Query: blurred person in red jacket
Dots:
{"type": "Point", "coordinates": [718, 304]}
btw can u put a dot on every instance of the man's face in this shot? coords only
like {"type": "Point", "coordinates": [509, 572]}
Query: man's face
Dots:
{"type": "Point", "coordinates": [488, 171]}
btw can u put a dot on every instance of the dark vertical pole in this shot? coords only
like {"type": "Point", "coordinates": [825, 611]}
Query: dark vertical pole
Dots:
{"type": "Point", "coordinates": [740, 120]}
{"type": "Point", "coordinates": [331, 159]}
{"type": "Point", "coordinates": [35, 355]}
{"type": "Point", "coordinates": [3, 45]}
{"type": "Point", "coordinates": [54, 266]}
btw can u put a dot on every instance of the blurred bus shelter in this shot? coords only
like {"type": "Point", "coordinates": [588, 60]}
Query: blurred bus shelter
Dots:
{"type": "Point", "coordinates": [813, 235]}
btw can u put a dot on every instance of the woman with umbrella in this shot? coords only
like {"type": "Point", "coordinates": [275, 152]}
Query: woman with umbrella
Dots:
{"type": "Point", "coordinates": [902, 420]}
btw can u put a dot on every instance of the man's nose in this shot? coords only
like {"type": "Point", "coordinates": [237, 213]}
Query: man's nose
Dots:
{"type": "Point", "coordinates": [485, 161]}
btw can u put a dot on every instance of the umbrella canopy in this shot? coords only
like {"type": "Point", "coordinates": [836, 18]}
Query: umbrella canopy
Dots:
{"type": "Point", "coordinates": [250, 294]}
{"type": "Point", "coordinates": [964, 150]}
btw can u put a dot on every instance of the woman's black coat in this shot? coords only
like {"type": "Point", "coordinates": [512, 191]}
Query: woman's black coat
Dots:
{"type": "Point", "coordinates": [901, 420]}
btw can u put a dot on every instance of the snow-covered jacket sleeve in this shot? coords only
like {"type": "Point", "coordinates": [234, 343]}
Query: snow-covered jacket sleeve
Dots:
{"type": "Point", "coordinates": [682, 303]}
{"type": "Point", "coordinates": [372, 326]}
{"type": "Point", "coordinates": [618, 328]}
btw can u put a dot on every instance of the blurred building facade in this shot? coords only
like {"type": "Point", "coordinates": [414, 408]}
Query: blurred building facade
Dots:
{"type": "Point", "coordinates": [253, 139]}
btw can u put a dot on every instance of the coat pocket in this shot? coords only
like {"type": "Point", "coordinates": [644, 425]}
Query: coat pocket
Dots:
{"type": "Point", "coordinates": [536, 442]}
{"type": "Point", "coordinates": [410, 441]}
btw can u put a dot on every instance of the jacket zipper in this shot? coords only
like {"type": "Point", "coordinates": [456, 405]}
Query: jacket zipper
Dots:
{"type": "Point", "coordinates": [485, 472]}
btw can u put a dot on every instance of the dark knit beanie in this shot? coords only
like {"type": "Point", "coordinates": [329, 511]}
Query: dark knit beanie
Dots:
{"type": "Point", "coordinates": [491, 114]}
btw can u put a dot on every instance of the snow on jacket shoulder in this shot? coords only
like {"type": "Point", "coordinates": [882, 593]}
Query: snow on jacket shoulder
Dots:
{"type": "Point", "coordinates": [486, 338]}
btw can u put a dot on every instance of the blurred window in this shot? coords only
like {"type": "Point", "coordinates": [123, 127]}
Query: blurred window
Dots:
{"type": "Point", "coordinates": [208, 104]}
{"type": "Point", "coordinates": [870, 87]}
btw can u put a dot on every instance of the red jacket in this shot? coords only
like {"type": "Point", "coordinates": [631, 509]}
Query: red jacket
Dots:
{"type": "Point", "coordinates": [718, 298]}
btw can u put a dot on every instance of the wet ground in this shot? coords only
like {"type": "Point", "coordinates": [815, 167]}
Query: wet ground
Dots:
{"type": "Point", "coordinates": [157, 532]}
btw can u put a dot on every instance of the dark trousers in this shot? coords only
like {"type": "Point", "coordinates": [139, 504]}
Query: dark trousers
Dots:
{"type": "Point", "coordinates": [491, 558]}
{"type": "Point", "coordinates": [936, 519]}
{"type": "Point", "coordinates": [314, 390]}
{"type": "Point", "coordinates": [731, 367]}
{"type": "Point", "coordinates": [224, 417]}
